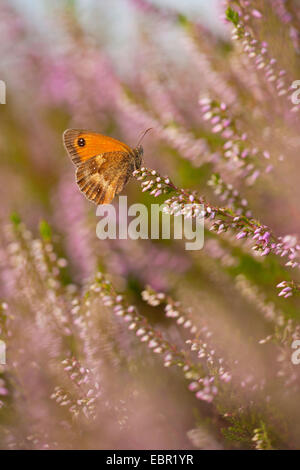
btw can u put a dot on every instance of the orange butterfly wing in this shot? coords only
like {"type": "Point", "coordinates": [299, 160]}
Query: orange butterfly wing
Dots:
{"type": "Point", "coordinates": [95, 144]}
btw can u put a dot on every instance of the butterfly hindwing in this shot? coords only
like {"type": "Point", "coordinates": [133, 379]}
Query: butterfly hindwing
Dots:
{"type": "Point", "coordinates": [103, 176]}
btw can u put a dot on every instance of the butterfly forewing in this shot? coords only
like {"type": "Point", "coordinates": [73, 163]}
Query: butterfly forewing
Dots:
{"type": "Point", "coordinates": [95, 144]}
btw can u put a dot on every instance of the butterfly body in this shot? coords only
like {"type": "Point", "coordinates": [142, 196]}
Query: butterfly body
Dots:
{"type": "Point", "coordinates": [103, 164]}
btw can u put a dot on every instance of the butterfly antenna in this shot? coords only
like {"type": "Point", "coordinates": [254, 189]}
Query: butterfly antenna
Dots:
{"type": "Point", "coordinates": [143, 135]}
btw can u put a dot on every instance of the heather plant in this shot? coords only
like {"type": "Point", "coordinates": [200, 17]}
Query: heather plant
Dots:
{"type": "Point", "coordinates": [140, 344]}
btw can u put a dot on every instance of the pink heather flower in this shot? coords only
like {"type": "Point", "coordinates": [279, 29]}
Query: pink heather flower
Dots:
{"type": "Point", "coordinates": [201, 395]}
{"type": "Point", "coordinates": [217, 128]}
{"type": "Point", "coordinates": [266, 236]}
{"type": "Point", "coordinates": [193, 386]}
{"type": "Point", "coordinates": [256, 13]}
{"type": "Point", "coordinates": [215, 119]}
{"type": "Point", "coordinates": [226, 377]}
{"type": "Point", "coordinates": [241, 235]}
{"type": "Point", "coordinates": [281, 284]}
{"type": "Point", "coordinates": [269, 168]}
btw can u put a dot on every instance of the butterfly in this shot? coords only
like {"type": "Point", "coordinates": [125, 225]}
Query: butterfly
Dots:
{"type": "Point", "coordinates": [103, 164]}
